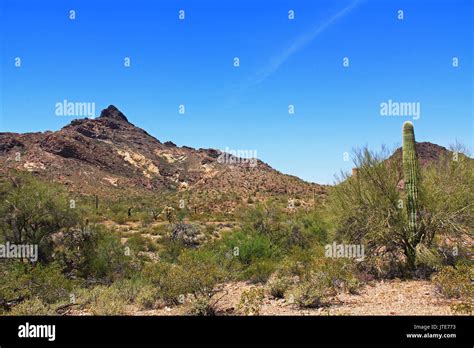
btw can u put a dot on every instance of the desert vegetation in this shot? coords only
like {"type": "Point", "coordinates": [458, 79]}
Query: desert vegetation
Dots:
{"type": "Point", "coordinates": [134, 254]}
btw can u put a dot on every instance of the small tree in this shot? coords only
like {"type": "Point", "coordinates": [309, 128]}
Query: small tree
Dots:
{"type": "Point", "coordinates": [31, 211]}
{"type": "Point", "coordinates": [371, 207]}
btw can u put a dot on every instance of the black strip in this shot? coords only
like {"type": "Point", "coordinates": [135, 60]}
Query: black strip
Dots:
{"type": "Point", "coordinates": [243, 331]}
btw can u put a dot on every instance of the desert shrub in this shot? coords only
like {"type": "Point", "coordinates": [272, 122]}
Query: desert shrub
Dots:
{"type": "Point", "coordinates": [32, 306]}
{"type": "Point", "coordinates": [251, 246]}
{"type": "Point", "coordinates": [188, 234]}
{"type": "Point", "coordinates": [311, 292]}
{"type": "Point", "coordinates": [160, 230]}
{"type": "Point", "coordinates": [14, 285]}
{"type": "Point", "coordinates": [259, 271]}
{"type": "Point", "coordinates": [203, 306]}
{"type": "Point", "coordinates": [138, 243]}
{"type": "Point", "coordinates": [121, 210]}
{"type": "Point", "coordinates": [365, 207]}
{"type": "Point", "coordinates": [251, 301]}
{"type": "Point", "coordinates": [131, 287]}
{"type": "Point", "coordinates": [21, 281]}
{"type": "Point", "coordinates": [312, 277]}
{"type": "Point", "coordinates": [106, 258]}
{"type": "Point", "coordinates": [70, 250]}
{"type": "Point", "coordinates": [169, 280]}
{"type": "Point", "coordinates": [369, 208]}
{"type": "Point", "coordinates": [147, 297]}
{"type": "Point", "coordinates": [104, 300]}
{"type": "Point", "coordinates": [315, 227]}
{"type": "Point", "coordinates": [342, 274]}
{"type": "Point", "coordinates": [428, 259]}
{"type": "Point", "coordinates": [181, 237]}
{"type": "Point", "coordinates": [462, 308]}
{"type": "Point", "coordinates": [94, 253]}
{"type": "Point", "coordinates": [197, 273]}
{"type": "Point", "coordinates": [170, 249]}
{"type": "Point", "coordinates": [31, 211]}
{"type": "Point", "coordinates": [448, 186]}
{"type": "Point", "coordinates": [265, 219]}
{"type": "Point", "coordinates": [48, 283]}
{"type": "Point", "coordinates": [298, 262]}
{"type": "Point", "coordinates": [455, 282]}
{"type": "Point", "coordinates": [279, 284]}
{"type": "Point", "coordinates": [202, 272]}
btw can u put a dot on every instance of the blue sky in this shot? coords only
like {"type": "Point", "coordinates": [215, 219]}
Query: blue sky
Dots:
{"type": "Point", "coordinates": [282, 62]}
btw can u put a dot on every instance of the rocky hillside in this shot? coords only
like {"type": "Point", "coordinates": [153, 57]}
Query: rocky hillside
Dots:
{"type": "Point", "coordinates": [426, 152]}
{"type": "Point", "coordinates": [109, 155]}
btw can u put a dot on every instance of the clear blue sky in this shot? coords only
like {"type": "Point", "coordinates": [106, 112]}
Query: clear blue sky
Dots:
{"type": "Point", "coordinates": [282, 61]}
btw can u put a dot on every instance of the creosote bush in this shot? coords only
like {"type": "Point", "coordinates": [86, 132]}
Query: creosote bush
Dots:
{"type": "Point", "coordinates": [31, 307]}
{"type": "Point", "coordinates": [278, 285]}
{"type": "Point", "coordinates": [311, 292]}
{"type": "Point", "coordinates": [456, 282]}
{"type": "Point", "coordinates": [105, 300]}
{"type": "Point", "coordinates": [197, 272]}
{"type": "Point", "coordinates": [251, 301]}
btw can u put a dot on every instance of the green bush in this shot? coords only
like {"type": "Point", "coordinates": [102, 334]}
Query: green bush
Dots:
{"type": "Point", "coordinates": [106, 258]}
{"type": "Point", "coordinates": [197, 272]}
{"type": "Point", "coordinates": [31, 211]}
{"type": "Point", "coordinates": [31, 307]}
{"type": "Point", "coordinates": [462, 308]}
{"type": "Point", "coordinates": [315, 277]}
{"type": "Point", "coordinates": [265, 219]}
{"type": "Point", "coordinates": [310, 293]}
{"type": "Point", "coordinates": [49, 284]}
{"type": "Point", "coordinates": [455, 282]}
{"type": "Point", "coordinates": [279, 284]}
{"type": "Point", "coordinates": [138, 243]}
{"type": "Point", "coordinates": [130, 288]}
{"type": "Point", "coordinates": [169, 280]}
{"type": "Point", "coordinates": [259, 271]}
{"type": "Point", "coordinates": [22, 281]}
{"type": "Point", "coordinates": [251, 301]}
{"type": "Point", "coordinates": [202, 272]}
{"type": "Point", "coordinates": [251, 246]}
{"type": "Point", "coordinates": [147, 297]}
{"type": "Point", "coordinates": [104, 300]}
{"type": "Point", "coordinates": [369, 208]}
{"type": "Point", "coordinates": [203, 306]}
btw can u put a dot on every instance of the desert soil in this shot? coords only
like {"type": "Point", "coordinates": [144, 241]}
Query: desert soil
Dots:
{"type": "Point", "coordinates": [408, 297]}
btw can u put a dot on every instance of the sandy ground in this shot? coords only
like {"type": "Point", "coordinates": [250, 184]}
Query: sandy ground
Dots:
{"type": "Point", "coordinates": [412, 297]}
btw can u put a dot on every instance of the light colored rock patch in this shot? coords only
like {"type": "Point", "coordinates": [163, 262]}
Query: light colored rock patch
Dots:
{"type": "Point", "coordinates": [170, 158]}
{"type": "Point", "coordinates": [112, 181]}
{"type": "Point", "coordinates": [30, 166]}
{"type": "Point", "coordinates": [139, 161]}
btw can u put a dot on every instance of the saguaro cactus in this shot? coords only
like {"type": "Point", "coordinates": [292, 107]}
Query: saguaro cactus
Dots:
{"type": "Point", "coordinates": [410, 172]}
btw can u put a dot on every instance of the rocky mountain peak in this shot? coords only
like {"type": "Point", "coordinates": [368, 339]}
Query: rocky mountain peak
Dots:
{"type": "Point", "coordinates": [112, 112]}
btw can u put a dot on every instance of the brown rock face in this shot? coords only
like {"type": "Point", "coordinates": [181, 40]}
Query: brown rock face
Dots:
{"type": "Point", "coordinates": [113, 113]}
{"type": "Point", "coordinates": [109, 155]}
{"type": "Point", "coordinates": [426, 153]}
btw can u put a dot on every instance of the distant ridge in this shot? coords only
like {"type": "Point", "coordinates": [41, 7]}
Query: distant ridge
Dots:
{"type": "Point", "coordinates": [108, 155]}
